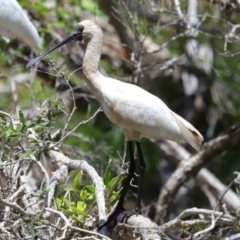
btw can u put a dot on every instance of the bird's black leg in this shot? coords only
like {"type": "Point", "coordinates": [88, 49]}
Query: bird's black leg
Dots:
{"type": "Point", "coordinates": [118, 213]}
{"type": "Point", "coordinates": [142, 167]}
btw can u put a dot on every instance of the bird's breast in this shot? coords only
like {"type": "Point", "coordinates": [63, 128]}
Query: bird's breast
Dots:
{"type": "Point", "coordinates": [145, 115]}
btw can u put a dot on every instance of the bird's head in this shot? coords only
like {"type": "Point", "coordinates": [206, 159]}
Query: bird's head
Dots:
{"type": "Point", "coordinates": [89, 29]}
{"type": "Point", "coordinates": [85, 30]}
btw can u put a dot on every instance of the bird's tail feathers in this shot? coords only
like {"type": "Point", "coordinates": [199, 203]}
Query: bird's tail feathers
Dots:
{"type": "Point", "coordinates": [191, 134]}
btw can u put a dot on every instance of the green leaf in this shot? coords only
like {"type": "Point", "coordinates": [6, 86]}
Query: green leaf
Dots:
{"type": "Point", "coordinates": [90, 188]}
{"type": "Point", "coordinates": [91, 6]}
{"type": "Point", "coordinates": [90, 197]}
{"type": "Point", "coordinates": [59, 202]}
{"type": "Point", "coordinates": [111, 182]}
{"type": "Point", "coordinates": [83, 194]}
{"type": "Point", "coordinates": [31, 151]}
{"type": "Point", "coordinates": [69, 211]}
{"type": "Point", "coordinates": [21, 117]}
{"type": "Point", "coordinates": [66, 202]}
{"type": "Point", "coordinates": [77, 219]}
{"type": "Point", "coordinates": [32, 230]}
{"type": "Point", "coordinates": [57, 24]}
{"type": "Point", "coordinates": [115, 195]}
{"type": "Point", "coordinates": [81, 206]}
{"type": "Point", "coordinates": [76, 181]}
{"type": "Point", "coordinates": [107, 175]}
{"type": "Point", "coordinates": [11, 132]}
{"type": "Point", "coordinates": [87, 193]}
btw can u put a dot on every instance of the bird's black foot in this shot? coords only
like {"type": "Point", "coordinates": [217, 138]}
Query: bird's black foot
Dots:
{"type": "Point", "coordinates": [103, 229]}
{"type": "Point", "coordinates": [113, 217]}
{"type": "Point", "coordinates": [138, 210]}
{"type": "Point", "coordinates": [126, 215]}
{"type": "Point", "coordinates": [117, 216]}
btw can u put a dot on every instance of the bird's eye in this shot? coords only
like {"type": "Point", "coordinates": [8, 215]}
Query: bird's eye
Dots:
{"type": "Point", "coordinates": [79, 28]}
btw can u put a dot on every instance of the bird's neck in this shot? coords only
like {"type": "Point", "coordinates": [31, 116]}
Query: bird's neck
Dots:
{"type": "Point", "coordinates": [91, 63]}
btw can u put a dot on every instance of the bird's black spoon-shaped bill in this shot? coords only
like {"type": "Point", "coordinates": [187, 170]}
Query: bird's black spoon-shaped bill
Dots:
{"type": "Point", "coordinates": [68, 39]}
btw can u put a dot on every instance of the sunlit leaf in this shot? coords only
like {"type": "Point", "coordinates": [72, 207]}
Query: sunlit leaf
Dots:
{"type": "Point", "coordinates": [28, 153]}
{"type": "Point", "coordinates": [107, 175]}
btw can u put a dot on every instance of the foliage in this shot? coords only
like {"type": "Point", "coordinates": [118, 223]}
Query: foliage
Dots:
{"type": "Point", "coordinates": [141, 38]}
{"type": "Point", "coordinates": [80, 200]}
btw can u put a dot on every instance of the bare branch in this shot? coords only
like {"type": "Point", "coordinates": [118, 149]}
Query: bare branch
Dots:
{"type": "Point", "coordinates": [210, 184]}
{"type": "Point", "coordinates": [137, 226]}
{"type": "Point", "coordinates": [75, 128]}
{"type": "Point", "coordinates": [205, 219]}
{"type": "Point", "coordinates": [68, 225]}
{"type": "Point", "coordinates": [15, 206]}
{"type": "Point", "coordinates": [60, 175]}
{"type": "Point", "coordinates": [190, 168]}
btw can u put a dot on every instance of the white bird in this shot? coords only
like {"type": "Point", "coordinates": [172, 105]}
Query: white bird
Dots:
{"type": "Point", "coordinates": [139, 113]}
{"type": "Point", "coordinates": [15, 23]}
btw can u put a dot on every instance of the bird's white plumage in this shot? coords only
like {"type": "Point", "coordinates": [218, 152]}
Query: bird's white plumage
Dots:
{"type": "Point", "coordinates": [15, 23]}
{"type": "Point", "coordinates": [142, 114]}
{"type": "Point", "coordinates": [138, 112]}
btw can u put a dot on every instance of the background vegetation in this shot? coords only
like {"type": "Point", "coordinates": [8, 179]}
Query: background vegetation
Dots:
{"type": "Point", "coordinates": [189, 59]}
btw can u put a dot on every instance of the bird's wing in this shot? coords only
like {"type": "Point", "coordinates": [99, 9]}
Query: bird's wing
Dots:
{"type": "Point", "coordinates": [137, 110]}
{"type": "Point", "coordinates": [191, 134]}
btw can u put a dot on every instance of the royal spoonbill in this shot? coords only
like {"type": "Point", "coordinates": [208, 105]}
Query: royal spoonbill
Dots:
{"type": "Point", "coordinates": [139, 113]}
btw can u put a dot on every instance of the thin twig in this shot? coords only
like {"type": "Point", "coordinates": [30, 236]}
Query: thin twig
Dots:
{"type": "Point", "coordinates": [75, 128]}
